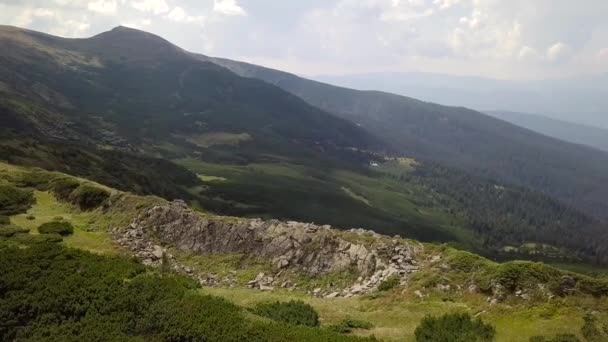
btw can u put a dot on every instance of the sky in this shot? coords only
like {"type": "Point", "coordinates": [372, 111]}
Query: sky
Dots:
{"type": "Point", "coordinates": [506, 39]}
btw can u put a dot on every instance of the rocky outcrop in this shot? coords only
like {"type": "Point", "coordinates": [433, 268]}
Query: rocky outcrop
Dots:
{"type": "Point", "coordinates": [308, 248]}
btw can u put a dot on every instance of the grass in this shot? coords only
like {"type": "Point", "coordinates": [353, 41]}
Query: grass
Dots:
{"type": "Point", "coordinates": [47, 208]}
{"type": "Point", "coordinates": [219, 138]}
{"type": "Point", "coordinates": [206, 178]}
{"type": "Point", "coordinates": [396, 315]}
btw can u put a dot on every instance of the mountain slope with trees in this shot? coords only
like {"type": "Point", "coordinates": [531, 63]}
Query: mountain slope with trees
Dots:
{"type": "Point", "coordinates": [459, 137]}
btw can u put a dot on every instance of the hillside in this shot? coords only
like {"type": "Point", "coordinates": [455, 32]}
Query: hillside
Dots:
{"type": "Point", "coordinates": [158, 99]}
{"type": "Point", "coordinates": [209, 275]}
{"type": "Point", "coordinates": [459, 137]}
{"type": "Point", "coordinates": [563, 130]}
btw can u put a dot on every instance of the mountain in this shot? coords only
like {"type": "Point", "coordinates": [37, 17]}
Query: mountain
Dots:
{"type": "Point", "coordinates": [564, 130]}
{"type": "Point", "coordinates": [135, 112]}
{"type": "Point", "coordinates": [580, 99]}
{"type": "Point", "coordinates": [460, 138]}
{"type": "Point", "coordinates": [158, 93]}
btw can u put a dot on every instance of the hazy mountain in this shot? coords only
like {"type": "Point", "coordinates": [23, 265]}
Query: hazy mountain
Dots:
{"type": "Point", "coordinates": [459, 137]}
{"type": "Point", "coordinates": [568, 131]}
{"type": "Point", "coordinates": [581, 99]}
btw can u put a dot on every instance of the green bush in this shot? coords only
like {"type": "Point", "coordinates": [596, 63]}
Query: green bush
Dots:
{"type": "Point", "coordinates": [10, 230]}
{"type": "Point", "coordinates": [88, 197]}
{"type": "Point", "coordinates": [292, 312]}
{"type": "Point", "coordinates": [390, 283]}
{"type": "Point", "coordinates": [62, 228]}
{"type": "Point", "coordinates": [62, 188]}
{"type": "Point", "coordinates": [52, 293]}
{"type": "Point", "coordinates": [4, 220]}
{"type": "Point", "coordinates": [454, 328]}
{"type": "Point", "coordinates": [557, 338]}
{"type": "Point", "coordinates": [14, 200]}
{"type": "Point", "coordinates": [40, 180]}
{"type": "Point", "coordinates": [347, 326]}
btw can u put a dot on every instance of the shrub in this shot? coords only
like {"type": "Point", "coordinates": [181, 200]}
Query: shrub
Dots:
{"type": "Point", "coordinates": [88, 197]}
{"type": "Point", "coordinates": [14, 200]}
{"type": "Point", "coordinates": [454, 328]}
{"type": "Point", "coordinates": [390, 283]}
{"type": "Point", "coordinates": [62, 188]}
{"type": "Point", "coordinates": [4, 220]}
{"type": "Point", "coordinates": [11, 230]}
{"type": "Point", "coordinates": [37, 179]}
{"type": "Point", "coordinates": [557, 338]}
{"type": "Point", "coordinates": [347, 326]}
{"type": "Point", "coordinates": [62, 228]}
{"type": "Point", "coordinates": [292, 312]}
{"type": "Point", "coordinates": [30, 217]}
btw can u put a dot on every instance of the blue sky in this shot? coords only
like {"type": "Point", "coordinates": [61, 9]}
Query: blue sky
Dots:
{"type": "Point", "coordinates": [509, 39]}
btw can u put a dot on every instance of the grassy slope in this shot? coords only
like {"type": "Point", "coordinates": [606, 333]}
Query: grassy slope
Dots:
{"type": "Point", "coordinates": [396, 315]}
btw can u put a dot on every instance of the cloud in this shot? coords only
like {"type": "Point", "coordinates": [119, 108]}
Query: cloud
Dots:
{"type": "Point", "coordinates": [103, 6]}
{"type": "Point", "coordinates": [527, 53]}
{"type": "Point", "coordinates": [228, 7]}
{"type": "Point", "coordinates": [446, 4]}
{"type": "Point", "coordinates": [178, 14]}
{"type": "Point", "coordinates": [153, 6]}
{"type": "Point", "coordinates": [558, 52]}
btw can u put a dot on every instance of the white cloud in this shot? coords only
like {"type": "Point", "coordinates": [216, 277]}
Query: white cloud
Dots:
{"type": "Point", "coordinates": [228, 7]}
{"type": "Point", "coordinates": [527, 53]}
{"type": "Point", "coordinates": [178, 14]}
{"type": "Point", "coordinates": [445, 4]}
{"type": "Point", "coordinates": [153, 6]}
{"type": "Point", "coordinates": [103, 6]}
{"type": "Point", "coordinates": [43, 12]}
{"type": "Point", "coordinates": [602, 55]}
{"type": "Point", "coordinates": [558, 52]}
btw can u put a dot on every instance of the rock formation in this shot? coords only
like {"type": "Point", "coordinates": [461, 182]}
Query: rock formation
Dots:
{"type": "Point", "coordinates": [311, 249]}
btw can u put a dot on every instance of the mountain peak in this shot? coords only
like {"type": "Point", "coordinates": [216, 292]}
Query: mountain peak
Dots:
{"type": "Point", "coordinates": [129, 44]}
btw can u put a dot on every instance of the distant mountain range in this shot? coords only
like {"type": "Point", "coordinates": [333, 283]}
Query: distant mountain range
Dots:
{"type": "Point", "coordinates": [581, 99]}
{"type": "Point", "coordinates": [564, 130]}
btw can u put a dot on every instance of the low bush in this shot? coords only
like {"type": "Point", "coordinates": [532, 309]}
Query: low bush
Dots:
{"type": "Point", "coordinates": [454, 328]}
{"type": "Point", "coordinates": [41, 180]}
{"type": "Point", "coordinates": [557, 338]}
{"type": "Point", "coordinates": [11, 230]}
{"type": "Point", "coordinates": [62, 188]}
{"type": "Point", "coordinates": [292, 312]}
{"type": "Point", "coordinates": [390, 283]}
{"type": "Point", "coordinates": [88, 197]}
{"type": "Point", "coordinates": [4, 220]}
{"type": "Point", "coordinates": [62, 228]}
{"type": "Point", "coordinates": [51, 293]}
{"type": "Point", "coordinates": [347, 326]}
{"type": "Point", "coordinates": [14, 200]}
